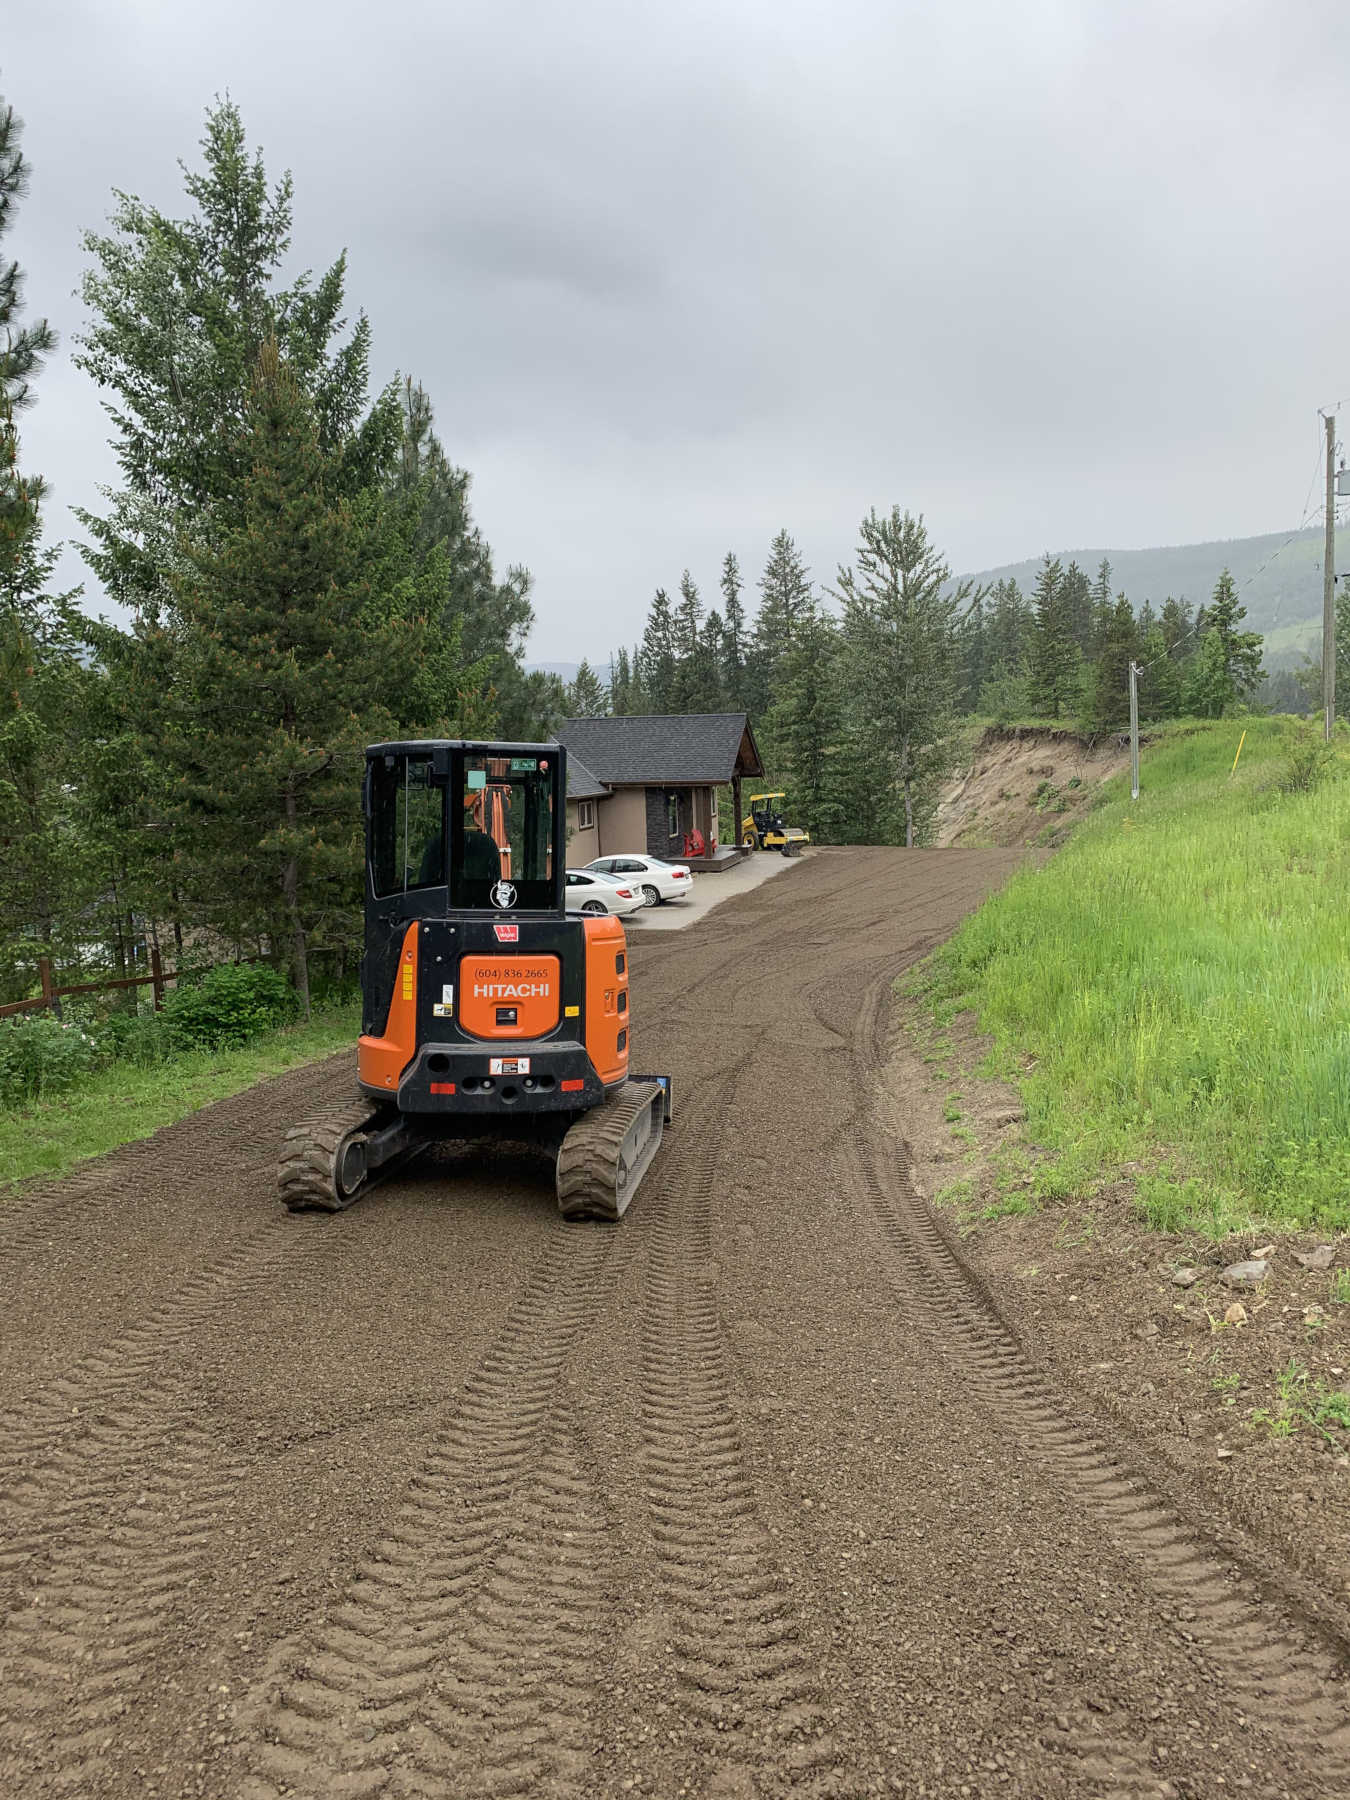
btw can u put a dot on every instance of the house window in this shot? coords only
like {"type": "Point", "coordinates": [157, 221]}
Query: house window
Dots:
{"type": "Point", "coordinates": [673, 815]}
{"type": "Point", "coordinates": [585, 814]}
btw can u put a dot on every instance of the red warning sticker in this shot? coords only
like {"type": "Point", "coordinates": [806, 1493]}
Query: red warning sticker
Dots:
{"type": "Point", "coordinates": [507, 934]}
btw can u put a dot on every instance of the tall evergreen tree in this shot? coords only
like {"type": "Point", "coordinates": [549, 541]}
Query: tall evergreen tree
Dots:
{"type": "Point", "coordinates": [713, 663]}
{"type": "Point", "coordinates": [657, 658]}
{"type": "Point", "coordinates": [900, 624]}
{"type": "Point", "coordinates": [1102, 606]}
{"type": "Point", "coordinates": [786, 594]}
{"type": "Point", "coordinates": [803, 732]}
{"type": "Point", "coordinates": [1227, 668]}
{"type": "Point", "coordinates": [1009, 624]}
{"type": "Point", "coordinates": [1076, 601]}
{"type": "Point", "coordinates": [620, 682]}
{"type": "Point", "coordinates": [1054, 652]}
{"type": "Point", "coordinates": [43, 876]}
{"type": "Point", "coordinates": [735, 636]}
{"type": "Point", "coordinates": [179, 311]}
{"type": "Point", "coordinates": [973, 644]}
{"type": "Point", "coordinates": [493, 616]}
{"type": "Point", "coordinates": [1109, 702]}
{"type": "Point", "coordinates": [286, 665]}
{"type": "Point", "coordinates": [587, 697]}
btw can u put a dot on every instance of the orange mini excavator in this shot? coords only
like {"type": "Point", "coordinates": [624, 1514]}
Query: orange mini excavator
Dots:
{"type": "Point", "coordinates": [487, 1012]}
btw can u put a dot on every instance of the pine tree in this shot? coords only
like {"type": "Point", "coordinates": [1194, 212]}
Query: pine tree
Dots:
{"type": "Point", "coordinates": [973, 644]}
{"type": "Point", "coordinates": [25, 346]}
{"type": "Point", "coordinates": [586, 694]}
{"type": "Point", "coordinates": [712, 662]}
{"type": "Point", "coordinates": [1176, 620]}
{"type": "Point", "coordinates": [786, 594]}
{"type": "Point", "coordinates": [620, 682]}
{"type": "Point", "coordinates": [44, 876]}
{"type": "Point", "coordinates": [1009, 628]}
{"type": "Point", "coordinates": [1227, 667]}
{"type": "Point", "coordinates": [657, 662]}
{"type": "Point", "coordinates": [900, 623]}
{"type": "Point", "coordinates": [493, 616]}
{"type": "Point", "coordinates": [1054, 654]}
{"type": "Point", "coordinates": [1076, 601]}
{"type": "Point", "coordinates": [803, 732]}
{"type": "Point", "coordinates": [286, 666]}
{"type": "Point", "coordinates": [180, 309]}
{"type": "Point", "coordinates": [734, 635]}
{"type": "Point", "coordinates": [1102, 607]}
{"type": "Point", "coordinates": [1109, 705]}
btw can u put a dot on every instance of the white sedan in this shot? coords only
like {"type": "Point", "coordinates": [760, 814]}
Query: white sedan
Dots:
{"type": "Point", "coordinates": [654, 879]}
{"type": "Point", "coordinates": [591, 892]}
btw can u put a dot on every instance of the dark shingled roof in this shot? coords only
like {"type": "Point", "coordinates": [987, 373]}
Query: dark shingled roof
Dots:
{"type": "Point", "coordinates": [663, 749]}
{"type": "Point", "coordinates": [581, 784]}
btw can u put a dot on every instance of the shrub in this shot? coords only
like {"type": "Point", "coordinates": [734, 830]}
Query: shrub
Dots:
{"type": "Point", "coordinates": [1306, 765]}
{"type": "Point", "coordinates": [42, 1055]}
{"type": "Point", "coordinates": [229, 1005]}
{"type": "Point", "coordinates": [142, 1039]}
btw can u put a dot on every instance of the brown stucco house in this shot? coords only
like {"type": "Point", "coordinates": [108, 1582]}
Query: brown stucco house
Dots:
{"type": "Point", "coordinates": [647, 781]}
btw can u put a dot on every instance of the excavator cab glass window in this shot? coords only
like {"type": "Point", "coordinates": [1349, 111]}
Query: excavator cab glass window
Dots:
{"type": "Point", "coordinates": [407, 814]}
{"type": "Point", "coordinates": [501, 831]}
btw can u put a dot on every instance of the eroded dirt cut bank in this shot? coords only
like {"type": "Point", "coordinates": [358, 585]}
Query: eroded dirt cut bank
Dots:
{"type": "Point", "coordinates": [754, 1495]}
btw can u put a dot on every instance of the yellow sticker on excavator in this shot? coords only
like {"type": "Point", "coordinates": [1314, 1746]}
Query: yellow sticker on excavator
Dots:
{"type": "Point", "coordinates": [407, 981]}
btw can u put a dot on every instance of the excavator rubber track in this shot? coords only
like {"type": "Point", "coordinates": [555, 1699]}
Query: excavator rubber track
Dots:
{"type": "Point", "coordinates": [325, 1161]}
{"type": "Point", "coordinates": [607, 1151]}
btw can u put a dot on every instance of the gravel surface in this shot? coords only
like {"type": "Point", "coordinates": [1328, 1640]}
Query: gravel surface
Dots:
{"type": "Point", "coordinates": [754, 1494]}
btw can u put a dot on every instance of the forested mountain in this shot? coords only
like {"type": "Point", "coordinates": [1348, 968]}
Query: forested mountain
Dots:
{"type": "Point", "coordinates": [1280, 581]}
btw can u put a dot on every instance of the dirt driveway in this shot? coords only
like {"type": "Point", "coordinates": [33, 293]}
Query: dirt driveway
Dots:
{"type": "Point", "coordinates": [752, 1495]}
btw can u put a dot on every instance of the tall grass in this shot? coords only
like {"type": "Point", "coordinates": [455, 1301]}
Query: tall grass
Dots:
{"type": "Point", "coordinates": [1179, 973]}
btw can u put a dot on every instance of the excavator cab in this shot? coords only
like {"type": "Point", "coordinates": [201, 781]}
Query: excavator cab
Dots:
{"type": "Point", "coordinates": [486, 1010]}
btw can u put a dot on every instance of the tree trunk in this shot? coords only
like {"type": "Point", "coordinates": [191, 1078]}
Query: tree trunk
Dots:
{"type": "Point", "coordinates": [909, 795]}
{"type": "Point", "coordinates": [290, 887]}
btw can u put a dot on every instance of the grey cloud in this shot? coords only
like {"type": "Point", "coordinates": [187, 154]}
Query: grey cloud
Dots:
{"type": "Point", "coordinates": [675, 277]}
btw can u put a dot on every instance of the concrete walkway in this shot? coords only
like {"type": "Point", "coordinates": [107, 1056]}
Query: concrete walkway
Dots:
{"type": "Point", "coordinates": [711, 890]}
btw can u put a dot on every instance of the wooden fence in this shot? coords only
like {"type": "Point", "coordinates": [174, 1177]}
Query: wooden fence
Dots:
{"type": "Point", "coordinates": [52, 995]}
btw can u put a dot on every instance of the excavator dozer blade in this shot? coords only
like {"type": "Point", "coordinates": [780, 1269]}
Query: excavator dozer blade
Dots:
{"type": "Point", "coordinates": [608, 1150]}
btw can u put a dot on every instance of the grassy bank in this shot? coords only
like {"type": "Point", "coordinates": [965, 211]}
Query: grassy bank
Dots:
{"type": "Point", "coordinates": [117, 1104]}
{"type": "Point", "coordinates": [1172, 991]}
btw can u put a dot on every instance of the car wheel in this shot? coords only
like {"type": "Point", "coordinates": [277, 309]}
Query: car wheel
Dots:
{"type": "Point", "coordinates": [593, 907]}
{"type": "Point", "coordinates": [650, 895]}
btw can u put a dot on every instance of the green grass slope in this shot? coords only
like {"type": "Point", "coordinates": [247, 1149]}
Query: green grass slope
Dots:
{"type": "Point", "coordinates": [121, 1103]}
{"type": "Point", "coordinates": [1179, 975]}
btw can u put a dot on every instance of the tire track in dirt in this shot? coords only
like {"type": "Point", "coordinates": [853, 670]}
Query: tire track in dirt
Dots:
{"type": "Point", "coordinates": [510, 1708]}
{"type": "Point", "coordinates": [432, 1639]}
{"type": "Point", "coordinates": [1291, 1672]}
{"type": "Point", "coordinates": [749, 1684]}
{"type": "Point", "coordinates": [120, 1378]}
{"type": "Point", "coordinates": [72, 1657]}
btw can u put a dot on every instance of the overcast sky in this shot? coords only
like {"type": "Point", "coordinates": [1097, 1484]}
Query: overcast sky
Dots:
{"type": "Point", "coordinates": [1055, 273]}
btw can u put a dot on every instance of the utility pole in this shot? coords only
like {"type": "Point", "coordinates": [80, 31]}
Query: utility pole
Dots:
{"type": "Point", "coordinates": [1134, 730]}
{"type": "Point", "coordinates": [1329, 587]}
